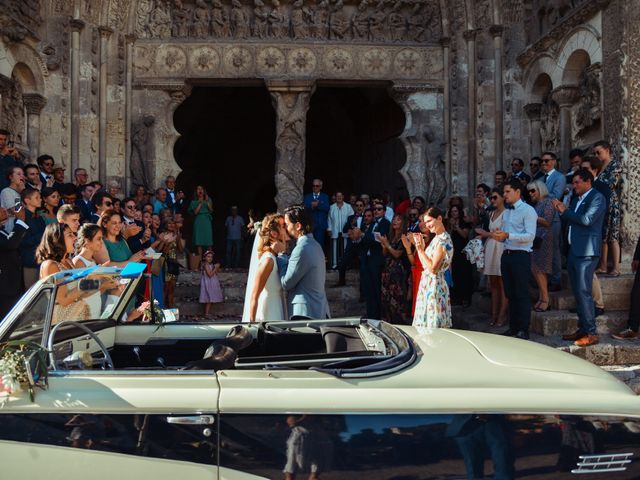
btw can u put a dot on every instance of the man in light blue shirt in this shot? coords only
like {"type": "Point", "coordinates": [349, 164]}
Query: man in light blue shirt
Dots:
{"type": "Point", "coordinates": [517, 233]}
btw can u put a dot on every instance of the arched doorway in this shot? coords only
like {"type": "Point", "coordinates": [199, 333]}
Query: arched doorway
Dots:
{"type": "Point", "coordinates": [227, 144]}
{"type": "Point", "coordinates": [352, 142]}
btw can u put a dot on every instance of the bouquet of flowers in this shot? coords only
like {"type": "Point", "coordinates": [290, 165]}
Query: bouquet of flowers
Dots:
{"type": "Point", "coordinates": [22, 366]}
{"type": "Point", "coordinates": [148, 315]}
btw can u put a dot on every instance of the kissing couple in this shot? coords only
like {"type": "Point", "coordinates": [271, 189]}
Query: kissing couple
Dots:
{"type": "Point", "coordinates": [280, 287]}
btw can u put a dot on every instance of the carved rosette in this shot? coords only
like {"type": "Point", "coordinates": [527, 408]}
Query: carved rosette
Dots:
{"type": "Point", "coordinates": [238, 61]}
{"type": "Point", "coordinates": [204, 60]}
{"type": "Point", "coordinates": [375, 62]}
{"type": "Point", "coordinates": [339, 62]}
{"type": "Point", "coordinates": [271, 61]}
{"type": "Point", "coordinates": [408, 63]}
{"type": "Point", "coordinates": [302, 61]}
{"type": "Point", "coordinates": [171, 60]}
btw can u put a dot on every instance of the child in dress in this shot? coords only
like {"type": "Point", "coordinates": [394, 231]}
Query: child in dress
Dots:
{"type": "Point", "coordinates": [210, 290]}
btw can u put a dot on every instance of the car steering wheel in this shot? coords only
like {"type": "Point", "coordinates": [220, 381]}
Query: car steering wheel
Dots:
{"type": "Point", "coordinates": [105, 353]}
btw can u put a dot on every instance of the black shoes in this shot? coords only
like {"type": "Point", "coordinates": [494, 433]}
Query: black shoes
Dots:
{"type": "Point", "coordinates": [521, 334]}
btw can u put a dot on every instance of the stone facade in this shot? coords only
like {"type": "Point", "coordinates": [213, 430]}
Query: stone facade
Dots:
{"type": "Point", "coordinates": [96, 83]}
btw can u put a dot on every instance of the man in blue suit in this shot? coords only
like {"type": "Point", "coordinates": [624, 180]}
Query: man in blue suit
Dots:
{"type": "Point", "coordinates": [584, 218]}
{"type": "Point", "coordinates": [556, 184]}
{"type": "Point", "coordinates": [318, 204]}
{"type": "Point", "coordinates": [374, 260]}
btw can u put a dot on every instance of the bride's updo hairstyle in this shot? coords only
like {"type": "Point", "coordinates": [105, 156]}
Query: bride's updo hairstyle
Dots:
{"type": "Point", "coordinates": [270, 223]}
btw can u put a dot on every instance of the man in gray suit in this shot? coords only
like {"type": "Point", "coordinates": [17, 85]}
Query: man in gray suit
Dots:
{"type": "Point", "coordinates": [303, 274]}
{"type": "Point", "coordinates": [556, 183]}
{"type": "Point", "coordinates": [584, 219]}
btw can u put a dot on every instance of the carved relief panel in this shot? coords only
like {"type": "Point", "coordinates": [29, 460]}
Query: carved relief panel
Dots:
{"type": "Point", "coordinates": [13, 118]}
{"type": "Point", "coordinates": [367, 21]}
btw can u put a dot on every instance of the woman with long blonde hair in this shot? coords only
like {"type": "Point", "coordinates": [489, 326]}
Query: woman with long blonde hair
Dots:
{"type": "Point", "coordinates": [266, 299]}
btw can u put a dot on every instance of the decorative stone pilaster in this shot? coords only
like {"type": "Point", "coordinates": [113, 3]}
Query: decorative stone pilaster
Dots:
{"type": "Point", "coordinates": [105, 33]}
{"type": "Point", "coordinates": [423, 138]}
{"type": "Point", "coordinates": [291, 102]}
{"type": "Point", "coordinates": [565, 96]}
{"type": "Point", "coordinates": [128, 118]}
{"type": "Point", "coordinates": [76, 26]}
{"type": "Point", "coordinates": [470, 37]}
{"type": "Point", "coordinates": [496, 33]}
{"type": "Point", "coordinates": [532, 110]}
{"type": "Point", "coordinates": [34, 103]}
{"type": "Point", "coordinates": [446, 109]}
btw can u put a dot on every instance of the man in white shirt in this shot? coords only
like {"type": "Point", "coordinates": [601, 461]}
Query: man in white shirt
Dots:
{"type": "Point", "coordinates": [517, 233]}
{"type": "Point", "coordinates": [339, 212]}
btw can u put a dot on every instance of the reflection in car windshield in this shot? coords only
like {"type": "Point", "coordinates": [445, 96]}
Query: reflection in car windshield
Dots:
{"type": "Point", "coordinates": [93, 297]}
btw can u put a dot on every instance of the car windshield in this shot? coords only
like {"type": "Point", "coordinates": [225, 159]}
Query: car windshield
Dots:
{"type": "Point", "coordinates": [94, 296]}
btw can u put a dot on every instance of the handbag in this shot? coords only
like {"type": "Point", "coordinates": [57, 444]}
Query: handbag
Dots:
{"type": "Point", "coordinates": [173, 267]}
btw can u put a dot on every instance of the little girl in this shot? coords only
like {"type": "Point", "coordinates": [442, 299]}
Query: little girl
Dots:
{"type": "Point", "coordinates": [210, 290]}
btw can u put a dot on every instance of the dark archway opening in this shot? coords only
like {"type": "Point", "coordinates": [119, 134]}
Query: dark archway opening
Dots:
{"type": "Point", "coordinates": [352, 140]}
{"type": "Point", "coordinates": [227, 144]}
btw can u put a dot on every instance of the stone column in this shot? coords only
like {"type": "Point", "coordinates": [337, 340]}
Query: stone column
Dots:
{"type": "Point", "coordinates": [470, 37]}
{"type": "Point", "coordinates": [291, 102]}
{"type": "Point", "coordinates": [34, 103]}
{"type": "Point", "coordinates": [446, 50]}
{"type": "Point", "coordinates": [532, 110]}
{"type": "Point", "coordinates": [565, 96]}
{"type": "Point", "coordinates": [128, 118]}
{"type": "Point", "coordinates": [76, 27]}
{"type": "Point", "coordinates": [105, 33]}
{"type": "Point", "coordinates": [423, 139]}
{"type": "Point", "coordinates": [496, 32]}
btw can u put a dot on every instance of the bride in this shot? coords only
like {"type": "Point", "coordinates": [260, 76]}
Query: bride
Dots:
{"type": "Point", "coordinates": [264, 294]}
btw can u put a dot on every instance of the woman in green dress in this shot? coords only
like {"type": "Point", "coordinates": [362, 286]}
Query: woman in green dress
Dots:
{"type": "Point", "coordinates": [116, 246]}
{"type": "Point", "coordinates": [50, 203]}
{"type": "Point", "coordinates": [201, 208]}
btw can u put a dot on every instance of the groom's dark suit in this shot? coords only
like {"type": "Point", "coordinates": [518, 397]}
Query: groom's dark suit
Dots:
{"type": "Point", "coordinates": [584, 219]}
{"type": "Point", "coordinates": [374, 263]}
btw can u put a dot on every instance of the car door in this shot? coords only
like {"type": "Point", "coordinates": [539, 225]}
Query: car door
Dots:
{"type": "Point", "coordinates": [113, 425]}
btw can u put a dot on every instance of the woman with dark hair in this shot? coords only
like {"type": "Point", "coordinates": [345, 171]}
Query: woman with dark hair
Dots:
{"type": "Point", "coordinates": [395, 275]}
{"type": "Point", "coordinates": [172, 244]}
{"type": "Point", "coordinates": [54, 249]}
{"type": "Point", "coordinates": [201, 208]}
{"type": "Point", "coordinates": [433, 309]}
{"type": "Point", "coordinates": [50, 204]}
{"type": "Point", "coordinates": [118, 252]}
{"type": "Point", "coordinates": [461, 267]}
{"type": "Point", "coordinates": [89, 243]}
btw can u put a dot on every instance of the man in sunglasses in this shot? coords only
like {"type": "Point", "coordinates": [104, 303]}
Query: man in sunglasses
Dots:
{"type": "Point", "coordinates": [556, 184]}
{"type": "Point", "coordinates": [374, 259]}
{"type": "Point", "coordinates": [414, 221]}
{"type": "Point", "coordinates": [101, 201]}
{"type": "Point", "coordinates": [353, 225]}
{"type": "Point", "coordinates": [138, 237]}
{"type": "Point", "coordinates": [534, 169]}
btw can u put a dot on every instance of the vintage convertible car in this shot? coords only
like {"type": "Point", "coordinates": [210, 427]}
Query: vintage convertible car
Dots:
{"type": "Point", "coordinates": [333, 399]}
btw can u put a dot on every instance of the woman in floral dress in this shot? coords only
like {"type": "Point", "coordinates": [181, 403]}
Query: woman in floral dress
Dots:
{"type": "Point", "coordinates": [395, 275]}
{"type": "Point", "coordinates": [433, 308]}
{"type": "Point", "coordinates": [611, 174]}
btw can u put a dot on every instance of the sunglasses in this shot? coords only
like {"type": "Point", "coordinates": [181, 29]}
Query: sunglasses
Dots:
{"type": "Point", "coordinates": [547, 160]}
{"type": "Point", "coordinates": [317, 185]}
{"type": "Point", "coordinates": [533, 190]}
{"type": "Point", "coordinates": [494, 197]}
{"type": "Point", "coordinates": [379, 208]}
{"type": "Point", "coordinates": [413, 214]}
{"type": "Point", "coordinates": [108, 204]}
{"type": "Point", "coordinates": [533, 165]}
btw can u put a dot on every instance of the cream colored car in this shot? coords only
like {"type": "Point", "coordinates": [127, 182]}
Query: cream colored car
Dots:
{"type": "Point", "coordinates": [335, 399]}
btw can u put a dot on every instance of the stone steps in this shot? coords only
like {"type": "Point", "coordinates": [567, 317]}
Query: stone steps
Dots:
{"type": "Point", "coordinates": [562, 322]}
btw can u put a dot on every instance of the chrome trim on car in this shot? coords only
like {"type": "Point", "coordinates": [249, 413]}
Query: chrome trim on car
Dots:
{"type": "Point", "coordinates": [192, 420]}
{"type": "Point", "coordinates": [615, 462]}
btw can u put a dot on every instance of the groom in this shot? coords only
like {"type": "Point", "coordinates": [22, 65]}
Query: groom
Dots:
{"type": "Point", "coordinates": [303, 274]}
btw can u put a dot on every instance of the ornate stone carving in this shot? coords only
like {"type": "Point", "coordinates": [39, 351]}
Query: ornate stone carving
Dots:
{"type": "Point", "coordinates": [158, 62]}
{"type": "Point", "coordinates": [533, 111]}
{"type": "Point", "coordinates": [142, 151]}
{"type": "Point", "coordinates": [201, 20]}
{"type": "Point", "coordinates": [204, 60]}
{"type": "Point", "coordinates": [219, 20]}
{"type": "Point", "coordinates": [565, 95]}
{"type": "Point", "coordinates": [25, 12]}
{"type": "Point", "coordinates": [302, 61]}
{"type": "Point", "coordinates": [238, 60]}
{"type": "Point", "coordinates": [379, 21]}
{"type": "Point", "coordinates": [291, 103]}
{"type": "Point", "coordinates": [271, 61]}
{"type": "Point", "coordinates": [170, 59]}
{"type": "Point", "coordinates": [588, 109]}
{"type": "Point", "coordinates": [118, 10]}
{"type": "Point", "coordinates": [549, 126]}
{"type": "Point", "coordinates": [13, 111]}
{"type": "Point", "coordinates": [239, 20]}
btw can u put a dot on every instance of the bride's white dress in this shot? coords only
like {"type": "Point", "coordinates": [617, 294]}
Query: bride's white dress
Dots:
{"type": "Point", "coordinates": [270, 305]}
